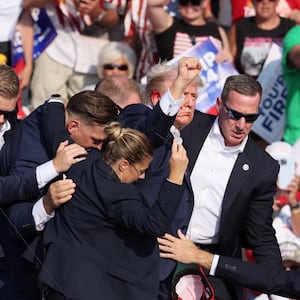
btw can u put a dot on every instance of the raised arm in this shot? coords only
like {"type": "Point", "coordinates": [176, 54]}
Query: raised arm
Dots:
{"type": "Point", "coordinates": [156, 123]}
{"type": "Point", "coordinates": [159, 18]}
{"type": "Point", "coordinates": [25, 26]}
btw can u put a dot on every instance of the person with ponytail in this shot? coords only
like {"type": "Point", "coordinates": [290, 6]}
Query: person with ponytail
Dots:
{"type": "Point", "coordinates": [105, 244]}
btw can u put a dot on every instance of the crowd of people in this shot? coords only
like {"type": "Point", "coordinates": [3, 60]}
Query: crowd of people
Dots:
{"type": "Point", "coordinates": [113, 184]}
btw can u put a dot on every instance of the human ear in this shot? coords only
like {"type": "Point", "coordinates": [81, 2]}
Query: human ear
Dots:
{"type": "Point", "coordinates": [123, 165]}
{"type": "Point", "coordinates": [72, 126]}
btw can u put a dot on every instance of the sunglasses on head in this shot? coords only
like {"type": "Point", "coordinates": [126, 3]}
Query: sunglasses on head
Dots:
{"type": "Point", "coordinates": [186, 2]}
{"type": "Point", "coordinates": [7, 114]}
{"type": "Point", "coordinates": [236, 115]}
{"type": "Point", "coordinates": [113, 66]}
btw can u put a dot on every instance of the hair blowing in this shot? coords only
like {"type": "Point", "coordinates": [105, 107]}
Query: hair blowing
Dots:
{"type": "Point", "coordinates": [126, 143]}
{"type": "Point", "coordinates": [93, 107]}
{"type": "Point", "coordinates": [242, 84]}
{"type": "Point", "coordinates": [9, 82]}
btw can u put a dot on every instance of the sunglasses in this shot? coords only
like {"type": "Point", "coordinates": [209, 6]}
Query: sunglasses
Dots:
{"type": "Point", "coordinates": [7, 114]}
{"type": "Point", "coordinates": [113, 66]}
{"type": "Point", "coordinates": [236, 115]}
{"type": "Point", "coordinates": [186, 2]}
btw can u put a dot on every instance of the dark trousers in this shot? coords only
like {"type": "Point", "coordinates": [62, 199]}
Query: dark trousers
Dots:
{"type": "Point", "coordinates": [164, 292]}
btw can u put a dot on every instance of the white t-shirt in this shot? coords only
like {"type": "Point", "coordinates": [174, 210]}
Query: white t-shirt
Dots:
{"type": "Point", "coordinates": [10, 11]}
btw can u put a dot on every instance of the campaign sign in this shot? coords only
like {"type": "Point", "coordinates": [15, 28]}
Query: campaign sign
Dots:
{"type": "Point", "coordinates": [270, 123]}
{"type": "Point", "coordinates": [44, 33]}
{"type": "Point", "coordinates": [212, 74]}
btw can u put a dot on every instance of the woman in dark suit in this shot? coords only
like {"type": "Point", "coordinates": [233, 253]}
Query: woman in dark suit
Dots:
{"type": "Point", "coordinates": [105, 237]}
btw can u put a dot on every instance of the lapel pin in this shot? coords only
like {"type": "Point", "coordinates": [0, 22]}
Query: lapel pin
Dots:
{"type": "Point", "coordinates": [245, 167]}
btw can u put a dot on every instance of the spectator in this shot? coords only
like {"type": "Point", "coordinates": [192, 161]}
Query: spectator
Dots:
{"type": "Point", "coordinates": [66, 65]}
{"type": "Point", "coordinates": [174, 36]}
{"type": "Point", "coordinates": [11, 14]}
{"type": "Point", "coordinates": [291, 74]}
{"type": "Point", "coordinates": [286, 207]}
{"type": "Point", "coordinates": [116, 58]}
{"type": "Point", "coordinates": [251, 38]}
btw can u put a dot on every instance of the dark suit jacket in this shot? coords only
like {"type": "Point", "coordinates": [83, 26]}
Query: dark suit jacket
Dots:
{"type": "Point", "coordinates": [246, 217]}
{"type": "Point", "coordinates": [106, 237]}
{"type": "Point", "coordinates": [259, 277]}
{"type": "Point", "coordinates": [35, 142]}
{"type": "Point", "coordinates": [150, 187]}
{"type": "Point", "coordinates": [17, 187]}
{"type": "Point", "coordinates": [21, 154]}
{"type": "Point", "coordinates": [134, 116]}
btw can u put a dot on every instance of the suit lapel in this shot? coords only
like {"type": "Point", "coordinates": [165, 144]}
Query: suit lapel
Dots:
{"type": "Point", "coordinates": [195, 134]}
{"type": "Point", "coordinates": [238, 179]}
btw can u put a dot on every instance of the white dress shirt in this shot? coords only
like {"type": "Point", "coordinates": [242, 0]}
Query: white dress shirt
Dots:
{"type": "Point", "coordinates": [209, 179]}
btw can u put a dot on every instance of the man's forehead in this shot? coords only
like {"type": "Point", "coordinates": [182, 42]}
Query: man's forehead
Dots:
{"type": "Point", "coordinates": [7, 104]}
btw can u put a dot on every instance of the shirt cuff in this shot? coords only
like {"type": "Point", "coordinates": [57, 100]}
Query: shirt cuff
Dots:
{"type": "Point", "coordinates": [169, 105]}
{"type": "Point", "coordinates": [40, 216]}
{"type": "Point", "coordinates": [56, 99]}
{"type": "Point", "coordinates": [214, 264]}
{"type": "Point", "coordinates": [45, 173]}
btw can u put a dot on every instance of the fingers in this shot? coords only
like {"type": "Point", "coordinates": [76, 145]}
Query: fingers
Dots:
{"type": "Point", "coordinates": [62, 145]}
{"type": "Point", "coordinates": [75, 151]}
{"type": "Point", "coordinates": [181, 235]}
{"type": "Point", "coordinates": [68, 155]}
{"type": "Point", "coordinates": [61, 191]}
{"type": "Point", "coordinates": [174, 146]}
{"type": "Point", "coordinates": [165, 246]}
{"type": "Point", "coordinates": [222, 56]}
{"type": "Point", "coordinates": [191, 63]}
{"type": "Point", "coordinates": [178, 147]}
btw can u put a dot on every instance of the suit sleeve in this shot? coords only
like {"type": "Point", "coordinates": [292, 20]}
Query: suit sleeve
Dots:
{"type": "Point", "coordinates": [18, 187]}
{"type": "Point", "coordinates": [54, 126]}
{"type": "Point", "coordinates": [152, 122]}
{"type": "Point", "coordinates": [258, 233]}
{"type": "Point", "coordinates": [133, 213]}
{"type": "Point", "coordinates": [20, 215]}
{"type": "Point", "coordinates": [259, 277]}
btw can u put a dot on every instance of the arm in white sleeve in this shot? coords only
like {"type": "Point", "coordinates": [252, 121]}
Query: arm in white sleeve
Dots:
{"type": "Point", "coordinates": [40, 216]}
{"type": "Point", "coordinates": [169, 105]}
{"type": "Point", "coordinates": [45, 173]}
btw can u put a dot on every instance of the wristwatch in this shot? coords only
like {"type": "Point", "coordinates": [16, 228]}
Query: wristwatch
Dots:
{"type": "Point", "coordinates": [294, 207]}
